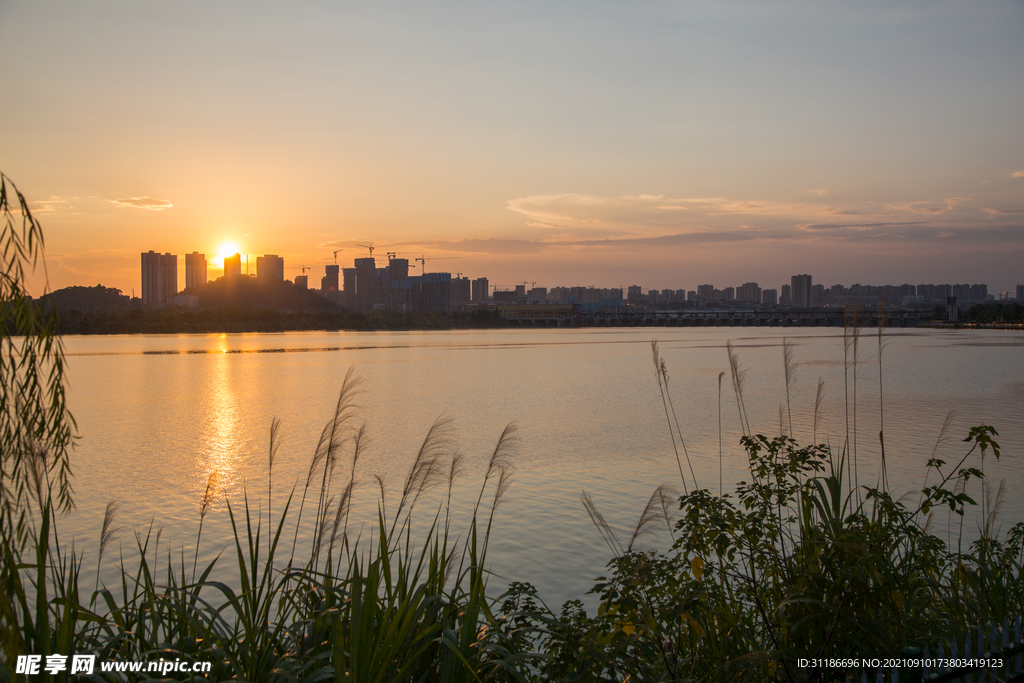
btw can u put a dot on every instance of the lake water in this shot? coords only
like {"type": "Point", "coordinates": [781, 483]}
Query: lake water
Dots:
{"type": "Point", "coordinates": [158, 414]}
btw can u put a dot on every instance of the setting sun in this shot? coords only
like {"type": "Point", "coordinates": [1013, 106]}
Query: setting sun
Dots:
{"type": "Point", "coordinates": [227, 249]}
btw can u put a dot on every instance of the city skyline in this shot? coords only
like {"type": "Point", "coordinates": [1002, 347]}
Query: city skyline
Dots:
{"type": "Point", "coordinates": [159, 277]}
{"type": "Point", "coordinates": [599, 145]}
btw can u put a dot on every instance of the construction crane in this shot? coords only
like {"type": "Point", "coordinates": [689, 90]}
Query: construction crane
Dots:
{"type": "Point", "coordinates": [367, 246]}
{"type": "Point", "coordinates": [423, 260]}
{"type": "Point", "coordinates": [305, 268]}
{"type": "Point", "coordinates": [336, 257]}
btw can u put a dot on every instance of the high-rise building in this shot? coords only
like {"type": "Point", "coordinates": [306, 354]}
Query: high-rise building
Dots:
{"type": "Point", "coordinates": [786, 296]}
{"type": "Point", "coordinates": [461, 290]}
{"type": "Point", "coordinates": [302, 281]}
{"type": "Point", "coordinates": [769, 297]}
{"type": "Point", "coordinates": [817, 295]}
{"type": "Point", "coordinates": [233, 266]}
{"type": "Point", "coordinates": [329, 282]}
{"type": "Point", "coordinates": [431, 292]}
{"type": "Point", "coordinates": [706, 292]}
{"type": "Point", "coordinates": [1020, 293]}
{"type": "Point", "coordinates": [195, 269]}
{"type": "Point", "coordinates": [348, 287]}
{"type": "Point", "coordinates": [749, 291]}
{"type": "Point", "coordinates": [270, 267]}
{"type": "Point", "coordinates": [635, 293]}
{"type": "Point", "coordinates": [480, 289]}
{"type": "Point", "coordinates": [801, 291]}
{"type": "Point", "coordinates": [159, 277]}
{"type": "Point", "coordinates": [366, 269]}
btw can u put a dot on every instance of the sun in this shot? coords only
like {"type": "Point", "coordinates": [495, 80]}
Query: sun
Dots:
{"type": "Point", "coordinates": [227, 249]}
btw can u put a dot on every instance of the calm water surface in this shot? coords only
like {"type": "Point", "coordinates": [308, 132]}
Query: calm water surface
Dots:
{"type": "Point", "coordinates": [158, 414]}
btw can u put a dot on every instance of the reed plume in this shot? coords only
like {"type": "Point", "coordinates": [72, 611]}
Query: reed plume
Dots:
{"type": "Point", "coordinates": [720, 376]}
{"type": "Point", "coordinates": [819, 396]}
{"type": "Point", "coordinates": [655, 511]}
{"type": "Point", "coordinates": [341, 514]}
{"type": "Point", "coordinates": [275, 444]}
{"type": "Point", "coordinates": [739, 374]}
{"type": "Point", "coordinates": [331, 440]}
{"type": "Point", "coordinates": [107, 534]}
{"type": "Point", "coordinates": [426, 470]}
{"type": "Point", "coordinates": [661, 373]}
{"type": "Point", "coordinates": [789, 368]}
{"type": "Point", "coordinates": [500, 462]}
{"type": "Point", "coordinates": [608, 534]}
{"type": "Point", "coordinates": [212, 483]}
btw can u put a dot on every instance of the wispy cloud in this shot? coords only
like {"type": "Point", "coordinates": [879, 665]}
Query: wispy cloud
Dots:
{"type": "Point", "coordinates": [818, 227]}
{"type": "Point", "coordinates": [53, 204]}
{"type": "Point", "coordinates": [568, 212]}
{"type": "Point", "coordinates": [1018, 174]}
{"type": "Point", "coordinates": [926, 207]}
{"type": "Point", "coordinates": [820, 193]}
{"type": "Point", "coordinates": [992, 213]}
{"type": "Point", "coordinates": [147, 203]}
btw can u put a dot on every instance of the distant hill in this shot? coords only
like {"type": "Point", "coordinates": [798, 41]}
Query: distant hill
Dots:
{"type": "Point", "coordinates": [249, 293]}
{"type": "Point", "coordinates": [98, 298]}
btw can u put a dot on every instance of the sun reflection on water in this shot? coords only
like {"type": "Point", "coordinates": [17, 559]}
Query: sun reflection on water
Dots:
{"type": "Point", "coordinates": [222, 442]}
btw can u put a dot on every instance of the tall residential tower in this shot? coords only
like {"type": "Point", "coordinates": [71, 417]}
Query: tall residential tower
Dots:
{"type": "Point", "coordinates": [195, 269]}
{"type": "Point", "coordinates": [159, 277]}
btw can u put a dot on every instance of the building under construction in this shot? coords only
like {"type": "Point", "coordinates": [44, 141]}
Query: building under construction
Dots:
{"type": "Point", "coordinates": [367, 288]}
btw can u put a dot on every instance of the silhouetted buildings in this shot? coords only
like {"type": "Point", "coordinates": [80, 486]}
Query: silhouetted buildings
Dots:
{"type": "Point", "coordinates": [480, 290]}
{"type": "Point", "coordinates": [270, 267]}
{"type": "Point", "coordinates": [800, 291]}
{"type": "Point", "coordinates": [748, 292]}
{"type": "Point", "coordinates": [233, 266]}
{"type": "Point", "coordinates": [329, 282]}
{"type": "Point", "coordinates": [461, 290]}
{"type": "Point", "coordinates": [159, 277]}
{"type": "Point", "coordinates": [195, 269]}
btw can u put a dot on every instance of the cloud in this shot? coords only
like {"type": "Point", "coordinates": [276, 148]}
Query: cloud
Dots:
{"type": "Point", "coordinates": [820, 193]}
{"type": "Point", "coordinates": [53, 204]}
{"type": "Point", "coordinates": [571, 211]}
{"type": "Point", "coordinates": [682, 238]}
{"type": "Point", "coordinates": [1018, 174]}
{"type": "Point", "coordinates": [143, 203]}
{"type": "Point", "coordinates": [992, 213]}
{"type": "Point", "coordinates": [928, 207]}
{"type": "Point", "coordinates": [816, 227]}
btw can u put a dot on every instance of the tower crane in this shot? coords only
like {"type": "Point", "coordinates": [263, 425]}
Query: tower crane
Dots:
{"type": "Point", "coordinates": [423, 260]}
{"type": "Point", "coordinates": [336, 257]}
{"type": "Point", "coordinates": [367, 246]}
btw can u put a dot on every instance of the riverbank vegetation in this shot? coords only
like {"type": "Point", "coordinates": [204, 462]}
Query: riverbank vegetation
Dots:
{"type": "Point", "coordinates": [799, 560]}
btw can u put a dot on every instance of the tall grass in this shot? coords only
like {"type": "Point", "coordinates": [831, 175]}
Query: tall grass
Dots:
{"type": "Point", "coordinates": [799, 562]}
{"type": "Point", "coordinates": [392, 604]}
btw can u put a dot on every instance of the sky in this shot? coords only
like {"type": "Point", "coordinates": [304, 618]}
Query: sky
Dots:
{"type": "Point", "coordinates": [607, 144]}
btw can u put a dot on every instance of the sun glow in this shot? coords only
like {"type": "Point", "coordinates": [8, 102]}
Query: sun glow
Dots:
{"type": "Point", "coordinates": [227, 249]}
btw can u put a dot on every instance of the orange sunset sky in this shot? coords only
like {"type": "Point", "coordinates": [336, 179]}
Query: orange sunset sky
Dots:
{"type": "Point", "coordinates": [664, 144]}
